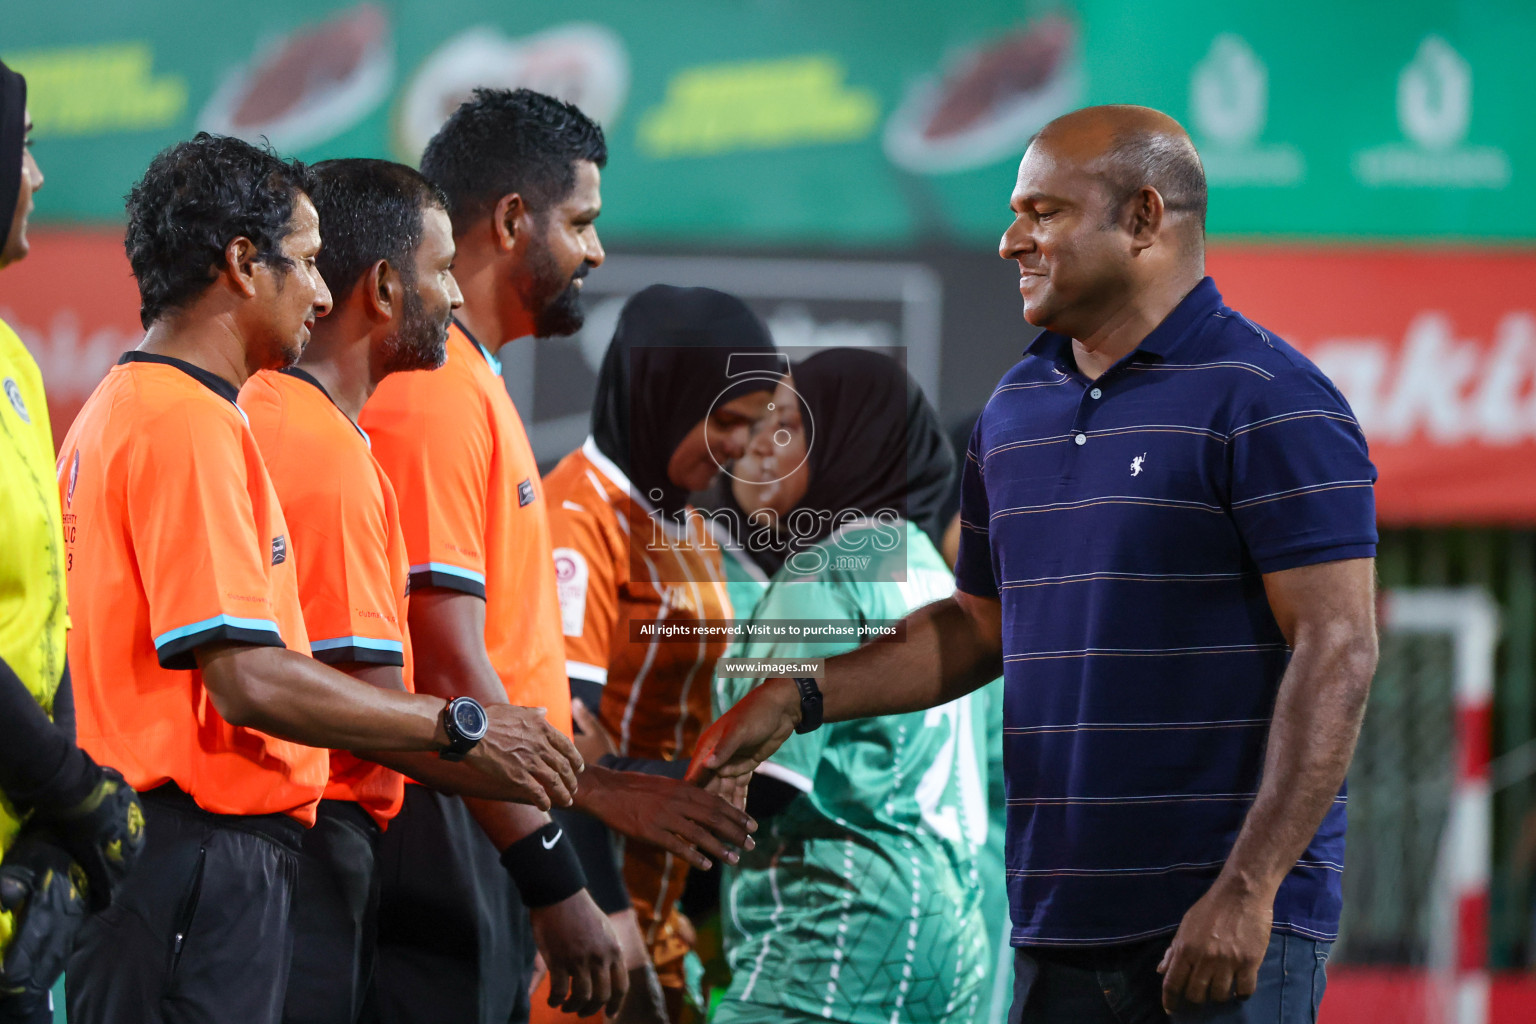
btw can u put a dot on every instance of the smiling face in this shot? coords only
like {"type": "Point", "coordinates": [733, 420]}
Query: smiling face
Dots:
{"type": "Point", "coordinates": [291, 297]}
{"type": "Point", "coordinates": [16, 246]}
{"type": "Point", "coordinates": [715, 440]}
{"type": "Point", "coordinates": [1073, 253]}
{"type": "Point", "coordinates": [563, 250]}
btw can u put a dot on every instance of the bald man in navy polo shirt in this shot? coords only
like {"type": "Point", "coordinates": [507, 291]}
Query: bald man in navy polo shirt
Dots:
{"type": "Point", "coordinates": [1167, 548]}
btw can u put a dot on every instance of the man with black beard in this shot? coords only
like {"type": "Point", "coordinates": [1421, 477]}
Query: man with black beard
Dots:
{"type": "Point", "coordinates": [388, 252]}
{"type": "Point", "coordinates": [457, 934]}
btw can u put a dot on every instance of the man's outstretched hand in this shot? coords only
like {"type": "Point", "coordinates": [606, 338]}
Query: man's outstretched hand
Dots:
{"type": "Point", "coordinates": [538, 762]}
{"type": "Point", "coordinates": [748, 734]}
{"type": "Point", "coordinates": [683, 819]}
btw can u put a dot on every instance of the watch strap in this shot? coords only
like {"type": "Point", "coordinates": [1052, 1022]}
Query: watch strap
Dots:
{"type": "Point", "coordinates": [810, 704]}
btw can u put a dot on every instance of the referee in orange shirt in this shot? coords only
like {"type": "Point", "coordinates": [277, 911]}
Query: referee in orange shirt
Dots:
{"type": "Point", "coordinates": [387, 259]}
{"type": "Point", "coordinates": [521, 173]}
{"type": "Point", "coordinates": [189, 649]}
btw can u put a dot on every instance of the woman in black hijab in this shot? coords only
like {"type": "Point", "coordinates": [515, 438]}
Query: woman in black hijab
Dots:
{"type": "Point", "coordinates": [854, 466]}
{"type": "Point", "coordinates": [686, 377]}
{"type": "Point", "coordinates": [678, 357]}
{"type": "Point", "coordinates": [850, 435]}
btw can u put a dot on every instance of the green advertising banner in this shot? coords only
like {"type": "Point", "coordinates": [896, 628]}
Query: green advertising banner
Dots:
{"type": "Point", "coordinates": [852, 123]}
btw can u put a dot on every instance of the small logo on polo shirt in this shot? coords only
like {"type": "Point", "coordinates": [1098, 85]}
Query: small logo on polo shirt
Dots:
{"type": "Point", "coordinates": [525, 493]}
{"type": "Point", "coordinates": [1136, 464]}
{"type": "Point", "coordinates": [279, 549]}
{"type": "Point", "coordinates": [74, 478]}
{"type": "Point", "coordinates": [13, 392]}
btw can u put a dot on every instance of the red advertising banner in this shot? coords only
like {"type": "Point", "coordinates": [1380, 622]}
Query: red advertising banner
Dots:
{"type": "Point", "coordinates": [1435, 350]}
{"type": "Point", "coordinates": [74, 304]}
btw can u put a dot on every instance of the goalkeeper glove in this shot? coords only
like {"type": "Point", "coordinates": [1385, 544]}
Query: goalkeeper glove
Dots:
{"type": "Point", "coordinates": [104, 833]}
{"type": "Point", "coordinates": [47, 891]}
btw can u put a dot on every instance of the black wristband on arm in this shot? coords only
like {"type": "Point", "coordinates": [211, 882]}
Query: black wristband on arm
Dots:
{"type": "Point", "coordinates": [545, 867]}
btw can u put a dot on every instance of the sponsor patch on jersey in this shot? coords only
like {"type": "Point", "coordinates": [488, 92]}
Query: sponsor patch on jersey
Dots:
{"type": "Point", "coordinates": [525, 493]}
{"type": "Point", "coordinates": [571, 586]}
{"type": "Point", "coordinates": [279, 549]}
{"type": "Point", "coordinates": [13, 392]}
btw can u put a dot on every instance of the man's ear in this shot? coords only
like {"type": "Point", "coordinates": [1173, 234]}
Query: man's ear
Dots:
{"type": "Point", "coordinates": [1146, 214]}
{"type": "Point", "coordinates": [507, 220]}
{"type": "Point", "coordinates": [381, 284]}
{"type": "Point", "coordinates": [240, 265]}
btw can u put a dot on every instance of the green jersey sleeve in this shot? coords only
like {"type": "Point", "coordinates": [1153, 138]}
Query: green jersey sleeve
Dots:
{"type": "Point", "coordinates": [819, 600]}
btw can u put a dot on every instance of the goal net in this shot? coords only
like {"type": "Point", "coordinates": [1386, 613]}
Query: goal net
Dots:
{"type": "Point", "coordinates": [1416, 876]}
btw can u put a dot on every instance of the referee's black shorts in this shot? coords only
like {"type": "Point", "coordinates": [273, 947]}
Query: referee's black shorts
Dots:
{"type": "Point", "coordinates": [334, 917]}
{"type": "Point", "coordinates": [454, 941]}
{"type": "Point", "coordinates": [201, 930]}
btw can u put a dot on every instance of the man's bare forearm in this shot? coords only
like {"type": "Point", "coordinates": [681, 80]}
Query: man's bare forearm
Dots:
{"type": "Point", "coordinates": [1312, 737]}
{"type": "Point", "coordinates": [952, 647]}
{"type": "Point", "coordinates": [297, 698]}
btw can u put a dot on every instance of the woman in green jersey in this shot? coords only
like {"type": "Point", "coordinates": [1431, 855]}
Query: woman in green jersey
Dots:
{"type": "Point", "coordinates": [862, 902]}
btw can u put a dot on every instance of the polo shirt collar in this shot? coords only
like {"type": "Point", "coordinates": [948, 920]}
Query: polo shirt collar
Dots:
{"type": "Point", "coordinates": [1203, 300]}
{"type": "Point", "coordinates": [212, 381]}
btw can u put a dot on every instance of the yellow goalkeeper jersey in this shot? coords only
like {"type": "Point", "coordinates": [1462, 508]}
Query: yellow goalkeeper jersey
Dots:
{"type": "Point", "coordinates": [33, 614]}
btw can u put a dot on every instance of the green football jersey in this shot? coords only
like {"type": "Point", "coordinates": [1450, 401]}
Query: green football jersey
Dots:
{"type": "Point", "coordinates": [993, 866]}
{"type": "Point", "coordinates": [862, 900]}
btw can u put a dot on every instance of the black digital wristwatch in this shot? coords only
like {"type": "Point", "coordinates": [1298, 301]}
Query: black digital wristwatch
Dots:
{"type": "Point", "coordinates": [465, 722]}
{"type": "Point", "coordinates": [810, 704]}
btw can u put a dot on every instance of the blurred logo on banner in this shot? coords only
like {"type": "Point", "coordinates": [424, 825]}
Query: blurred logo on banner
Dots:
{"type": "Point", "coordinates": [581, 63]}
{"type": "Point", "coordinates": [1229, 101]}
{"type": "Point", "coordinates": [989, 101]}
{"type": "Point", "coordinates": [310, 85]}
{"type": "Point", "coordinates": [1442, 378]}
{"type": "Point", "coordinates": [1434, 110]}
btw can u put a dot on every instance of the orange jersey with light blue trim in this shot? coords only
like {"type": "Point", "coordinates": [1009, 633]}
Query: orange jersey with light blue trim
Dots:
{"type": "Point", "coordinates": [175, 541]}
{"type": "Point", "coordinates": [473, 512]}
{"type": "Point", "coordinates": [344, 533]}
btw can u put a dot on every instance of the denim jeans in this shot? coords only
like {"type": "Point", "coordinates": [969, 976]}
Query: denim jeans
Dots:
{"type": "Point", "coordinates": [1120, 985]}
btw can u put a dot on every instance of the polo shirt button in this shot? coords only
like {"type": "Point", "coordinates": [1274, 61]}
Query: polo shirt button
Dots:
{"type": "Point", "coordinates": [1081, 439]}
{"type": "Point", "coordinates": [1095, 393]}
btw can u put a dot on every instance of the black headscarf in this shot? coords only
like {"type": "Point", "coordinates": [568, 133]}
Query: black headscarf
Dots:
{"type": "Point", "coordinates": [668, 365]}
{"type": "Point", "coordinates": [875, 442]}
{"type": "Point", "coordinates": [13, 135]}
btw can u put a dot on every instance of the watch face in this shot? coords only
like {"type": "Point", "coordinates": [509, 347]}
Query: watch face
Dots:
{"type": "Point", "coordinates": [469, 718]}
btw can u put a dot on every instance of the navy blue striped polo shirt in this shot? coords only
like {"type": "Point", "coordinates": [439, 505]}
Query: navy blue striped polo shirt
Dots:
{"type": "Point", "coordinates": [1125, 523]}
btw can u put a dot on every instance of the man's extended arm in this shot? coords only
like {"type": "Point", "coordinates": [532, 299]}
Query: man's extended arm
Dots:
{"type": "Point", "coordinates": [1327, 614]}
{"type": "Point", "coordinates": [297, 698]}
{"type": "Point", "coordinates": [952, 647]}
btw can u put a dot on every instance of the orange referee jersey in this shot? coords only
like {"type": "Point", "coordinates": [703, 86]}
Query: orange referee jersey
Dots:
{"type": "Point", "coordinates": [472, 509]}
{"type": "Point", "coordinates": [175, 540]}
{"type": "Point", "coordinates": [344, 534]}
{"type": "Point", "coordinates": [617, 566]}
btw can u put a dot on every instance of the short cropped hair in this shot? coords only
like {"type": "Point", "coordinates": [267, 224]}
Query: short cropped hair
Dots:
{"type": "Point", "coordinates": [1168, 163]}
{"type": "Point", "coordinates": [510, 140]}
{"type": "Point", "coordinates": [197, 197]}
{"type": "Point", "coordinates": [370, 210]}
